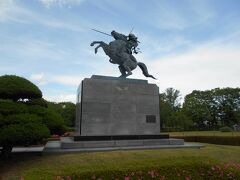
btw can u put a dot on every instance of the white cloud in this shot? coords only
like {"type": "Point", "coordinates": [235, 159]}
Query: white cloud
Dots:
{"type": "Point", "coordinates": [60, 3]}
{"type": "Point", "coordinates": [39, 78]}
{"type": "Point", "coordinates": [61, 98]}
{"type": "Point", "coordinates": [61, 25]}
{"type": "Point", "coordinates": [28, 49]}
{"type": "Point", "coordinates": [6, 69]}
{"type": "Point", "coordinates": [203, 10]}
{"type": "Point", "coordinates": [202, 68]}
{"type": "Point", "coordinates": [12, 11]}
{"type": "Point", "coordinates": [167, 16]}
{"type": "Point", "coordinates": [7, 9]}
{"type": "Point", "coordinates": [67, 79]}
{"type": "Point", "coordinates": [60, 95]}
{"type": "Point", "coordinates": [43, 79]}
{"type": "Point", "coordinates": [158, 46]}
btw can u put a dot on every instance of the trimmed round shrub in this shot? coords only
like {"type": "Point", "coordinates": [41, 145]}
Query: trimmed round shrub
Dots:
{"type": "Point", "coordinates": [22, 119]}
{"type": "Point", "coordinates": [36, 109]}
{"type": "Point", "coordinates": [15, 88]}
{"type": "Point", "coordinates": [1, 120]}
{"type": "Point", "coordinates": [225, 129]}
{"type": "Point", "coordinates": [23, 134]}
{"type": "Point", "coordinates": [39, 102]}
{"type": "Point", "coordinates": [10, 107]}
{"type": "Point", "coordinates": [1, 117]}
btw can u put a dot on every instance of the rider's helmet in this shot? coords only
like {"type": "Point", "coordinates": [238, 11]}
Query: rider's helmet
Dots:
{"type": "Point", "coordinates": [132, 37]}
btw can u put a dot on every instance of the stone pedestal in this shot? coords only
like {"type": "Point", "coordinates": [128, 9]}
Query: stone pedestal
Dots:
{"type": "Point", "coordinates": [109, 106]}
{"type": "Point", "coordinates": [115, 114]}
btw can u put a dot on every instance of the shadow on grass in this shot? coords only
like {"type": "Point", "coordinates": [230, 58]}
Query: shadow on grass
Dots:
{"type": "Point", "coordinates": [17, 157]}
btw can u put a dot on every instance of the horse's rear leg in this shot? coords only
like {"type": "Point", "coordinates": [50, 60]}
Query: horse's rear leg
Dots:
{"type": "Point", "coordinates": [127, 68]}
{"type": "Point", "coordinates": [123, 71]}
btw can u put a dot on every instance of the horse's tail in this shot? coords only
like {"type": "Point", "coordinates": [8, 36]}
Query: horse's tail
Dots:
{"type": "Point", "coordinates": [144, 70]}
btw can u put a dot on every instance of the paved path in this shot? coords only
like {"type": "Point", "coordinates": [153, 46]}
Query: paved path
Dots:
{"type": "Point", "coordinates": [55, 147]}
{"type": "Point", "coordinates": [27, 149]}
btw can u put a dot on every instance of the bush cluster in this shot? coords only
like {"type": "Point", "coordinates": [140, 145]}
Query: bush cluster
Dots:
{"type": "Point", "coordinates": [23, 134]}
{"type": "Point", "coordinates": [199, 171]}
{"type": "Point", "coordinates": [223, 140]}
{"type": "Point", "coordinates": [24, 116]}
{"type": "Point", "coordinates": [225, 129]}
{"type": "Point", "coordinates": [14, 112]}
{"type": "Point", "coordinates": [9, 107]}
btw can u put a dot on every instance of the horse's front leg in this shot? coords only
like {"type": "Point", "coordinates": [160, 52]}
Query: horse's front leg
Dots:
{"type": "Point", "coordinates": [96, 49]}
{"type": "Point", "coordinates": [95, 42]}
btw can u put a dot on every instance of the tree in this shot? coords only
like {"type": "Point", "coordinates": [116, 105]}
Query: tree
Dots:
{"type": "Point", "coordinates": [54, 122]}
{"type": "Point", "coordinates": [227, 105]}
{"type": "Point", "coordinates": [181, 121]}
{"type": "Point", "coordinates": [171, 116]}
{"type": "Point", "coordinates": [67, 110]}
{"type": "Point", "coordinates": [198, 107]}
{"type": "Point", "coordinates": [165, 112]}
{"type": "Point", "coordinates": [172, 97]}
{"type": "Point", "coordinates": [17, 124]}
{"type": "Point", "coordinates": [68, 113]}
{"type": "Point", "coordinates": [213, 108]}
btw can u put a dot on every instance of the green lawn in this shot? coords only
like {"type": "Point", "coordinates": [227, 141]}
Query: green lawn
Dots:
{"type": "Point", "coordinates": [204, 133]}
{"type": "Point", "coordinates": [78, 164]}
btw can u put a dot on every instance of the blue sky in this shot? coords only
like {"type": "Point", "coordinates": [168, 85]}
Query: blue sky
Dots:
{"type": "Point", "coordinates": [186, 44]}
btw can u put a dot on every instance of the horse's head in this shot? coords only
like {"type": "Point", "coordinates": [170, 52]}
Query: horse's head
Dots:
{"type": "Point", "coordinates": [114, 34]}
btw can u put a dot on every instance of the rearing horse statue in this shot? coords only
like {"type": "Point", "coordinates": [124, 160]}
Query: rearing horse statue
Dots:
{"type": "Point", "coordinates": [120, 52]}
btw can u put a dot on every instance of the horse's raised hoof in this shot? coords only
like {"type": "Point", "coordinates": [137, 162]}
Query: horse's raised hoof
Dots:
{"type": "Point", "coordinates": [95, 51]}
{"type": "Point", "coordinates": [92, 44]}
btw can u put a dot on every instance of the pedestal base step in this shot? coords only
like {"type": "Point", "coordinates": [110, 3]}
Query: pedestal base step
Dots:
{"type": "Point", "coordinates": [69, 143]}
{"type": "Point", "coordinates": [120, 137]}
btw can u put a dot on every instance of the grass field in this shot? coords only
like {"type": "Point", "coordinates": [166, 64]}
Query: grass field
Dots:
{"type": "Point", "coordinates": [78, 164]}
{"type": "Point", "coordinates": [204, 133]}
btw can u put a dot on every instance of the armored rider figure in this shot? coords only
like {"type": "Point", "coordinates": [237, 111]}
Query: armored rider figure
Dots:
{"type": "Point", "coordinates": [121, 51]}
{"type": "Point", "coordinates": [131, 43]}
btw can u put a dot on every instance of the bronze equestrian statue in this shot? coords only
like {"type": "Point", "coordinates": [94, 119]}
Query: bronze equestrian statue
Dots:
{"type": "Point", "coordinates": [121, 52]}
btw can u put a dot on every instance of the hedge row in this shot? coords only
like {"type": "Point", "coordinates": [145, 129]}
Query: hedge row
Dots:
{"type": "Point", "coordinates": [199, 171]}
{"type": "Point", "coordinates": [223, 140]}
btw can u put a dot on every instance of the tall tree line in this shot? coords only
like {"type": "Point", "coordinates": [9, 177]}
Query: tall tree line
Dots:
{"type": "Point", "coordinates": [200, 110]}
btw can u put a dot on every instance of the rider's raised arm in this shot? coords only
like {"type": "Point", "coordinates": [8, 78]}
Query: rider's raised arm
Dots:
{"type": "Point", "coordinates": [117, 36]}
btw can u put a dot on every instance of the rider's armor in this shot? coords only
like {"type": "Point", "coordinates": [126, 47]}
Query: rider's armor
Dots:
{"type": "Point", "coordinates": [131, 41]}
